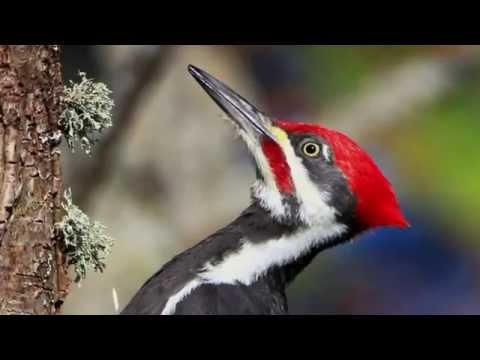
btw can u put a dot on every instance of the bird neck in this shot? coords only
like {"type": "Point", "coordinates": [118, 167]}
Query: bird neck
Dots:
{"type": "Point", "coordinates": [270, 250]}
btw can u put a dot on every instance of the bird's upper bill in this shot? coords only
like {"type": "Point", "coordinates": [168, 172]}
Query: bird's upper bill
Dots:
{"type": "Point", "coordinates": [308, 172]}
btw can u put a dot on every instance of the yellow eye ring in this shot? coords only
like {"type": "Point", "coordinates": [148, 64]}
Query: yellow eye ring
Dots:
{"type": "Point", "coordinates": [311, 149]}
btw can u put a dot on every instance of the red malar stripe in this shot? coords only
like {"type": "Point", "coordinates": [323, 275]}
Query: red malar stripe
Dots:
{"type": "Point", "coordinates": [279, 165]}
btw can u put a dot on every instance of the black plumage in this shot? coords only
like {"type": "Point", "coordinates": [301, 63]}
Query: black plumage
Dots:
{"type": "Point", "coordinates": [264, 296]}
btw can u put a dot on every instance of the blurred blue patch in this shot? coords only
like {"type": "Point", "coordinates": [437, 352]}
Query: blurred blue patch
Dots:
{"type": "Point", "coordinates": [418, 265]}
{"type": "Point", "coordinates": [392, 271]}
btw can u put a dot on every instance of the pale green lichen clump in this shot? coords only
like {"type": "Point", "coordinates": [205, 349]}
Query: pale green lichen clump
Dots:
{"type": "Point", "coordinates": [86, 244]}
{"type": "Point", "coordinates": [87, 112]}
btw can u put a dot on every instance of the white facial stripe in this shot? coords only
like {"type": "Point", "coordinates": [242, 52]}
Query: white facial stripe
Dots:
{"type": "Point", "coordinates": [314, 208]}
{"type": "Point", "coordinates": [326, 152]}
{"type": "Point", "coordinates": [265, 191]}
{"type": "Point", "coordinates": [270, 198]}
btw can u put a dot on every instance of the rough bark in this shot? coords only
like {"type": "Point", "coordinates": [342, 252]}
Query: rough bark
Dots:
{"type": "Point", "coordinates": [33, 272]}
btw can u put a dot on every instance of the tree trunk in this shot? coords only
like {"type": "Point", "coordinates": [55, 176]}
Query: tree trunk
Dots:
{"type": "Point", "coordinates": [33, 271]}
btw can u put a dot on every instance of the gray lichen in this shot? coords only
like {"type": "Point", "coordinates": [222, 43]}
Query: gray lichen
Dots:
{"type": "Point", "coordinates": [86, 244]}
{"type": "Point", "coordinates": [87, 112]}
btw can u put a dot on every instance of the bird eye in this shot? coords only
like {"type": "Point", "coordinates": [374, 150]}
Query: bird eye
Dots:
{"type": "Point", "coordinates": [311, 149]}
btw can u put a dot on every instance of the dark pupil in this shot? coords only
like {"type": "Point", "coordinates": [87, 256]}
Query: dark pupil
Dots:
{"type": "Point", "coordinates": [311, 149]}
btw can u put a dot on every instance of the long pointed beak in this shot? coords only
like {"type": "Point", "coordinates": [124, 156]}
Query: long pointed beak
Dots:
{"type": "Point", "coordinates": [242, 112]}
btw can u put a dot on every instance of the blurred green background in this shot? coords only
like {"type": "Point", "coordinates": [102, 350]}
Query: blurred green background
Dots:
{"type": "Point", "coordinates": [170, 171]}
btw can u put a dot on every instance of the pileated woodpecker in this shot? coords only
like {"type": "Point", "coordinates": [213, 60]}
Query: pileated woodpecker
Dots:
{"type": "Point", "coordinates": [315, 188]}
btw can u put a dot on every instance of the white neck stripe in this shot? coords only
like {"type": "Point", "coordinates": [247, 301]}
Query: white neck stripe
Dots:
{"type": "Point", "coordinates": [252, 261]}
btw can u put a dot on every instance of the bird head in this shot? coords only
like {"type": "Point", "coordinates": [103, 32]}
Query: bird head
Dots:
{"type": "Point", "coordinates": [308, 175]}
